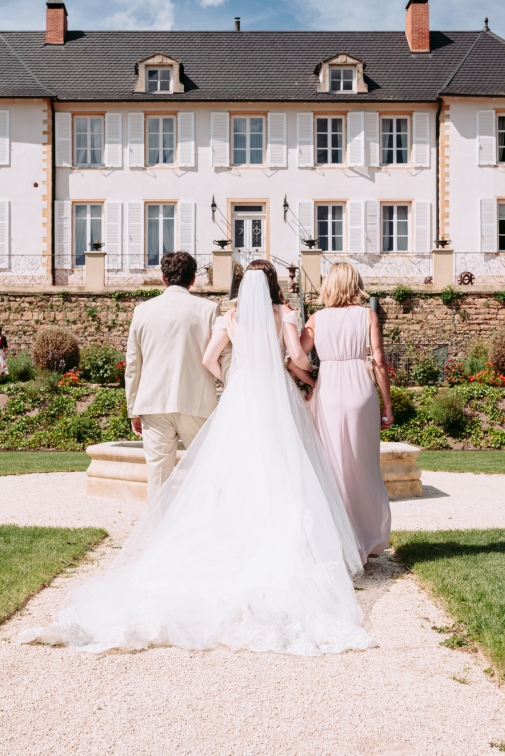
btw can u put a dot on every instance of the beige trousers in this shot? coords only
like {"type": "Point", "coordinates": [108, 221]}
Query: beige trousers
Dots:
{"type": "Point", "coordinates": [160, 434]}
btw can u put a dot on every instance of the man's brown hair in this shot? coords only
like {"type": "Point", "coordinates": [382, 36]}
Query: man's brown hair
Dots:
{"type": "Point", "coordinates": [178, 268]}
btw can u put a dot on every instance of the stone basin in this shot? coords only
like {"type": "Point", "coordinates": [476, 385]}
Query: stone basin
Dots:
{"type": "Point", "coordinates": [118, 470]}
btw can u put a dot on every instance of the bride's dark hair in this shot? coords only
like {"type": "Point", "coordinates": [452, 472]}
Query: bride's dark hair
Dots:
{"type": "Point", "coordinates": [268, 269]}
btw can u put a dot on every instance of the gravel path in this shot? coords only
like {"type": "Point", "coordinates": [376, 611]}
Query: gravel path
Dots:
{"type": "Point", "coordinates": [400, 699]}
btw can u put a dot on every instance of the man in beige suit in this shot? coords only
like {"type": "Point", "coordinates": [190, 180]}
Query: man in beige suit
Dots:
{"type": "Point", "coordinates": [169, 393]}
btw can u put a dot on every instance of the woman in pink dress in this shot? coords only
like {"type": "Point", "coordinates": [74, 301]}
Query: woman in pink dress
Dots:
{"type": "Point", "coordinates": [346, 405]}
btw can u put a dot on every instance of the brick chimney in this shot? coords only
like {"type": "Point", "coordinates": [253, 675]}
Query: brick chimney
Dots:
{"type": "Point", "coordinates": [418, 26]}
{"type": "Point", "coordinates": [56, 23]}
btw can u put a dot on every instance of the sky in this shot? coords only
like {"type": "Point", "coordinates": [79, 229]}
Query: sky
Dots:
{"type": "Point", "coordinates": [448, 15]}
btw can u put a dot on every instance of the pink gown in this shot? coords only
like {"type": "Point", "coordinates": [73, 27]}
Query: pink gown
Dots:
{"type": "Point", "coordinates": [346, 411]}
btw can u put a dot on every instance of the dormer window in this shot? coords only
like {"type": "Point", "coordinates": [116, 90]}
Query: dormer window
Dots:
{"type": "Point", "coordinates": [159, 74]}
{"type": "Point", "coordinates": [158, 80]}
{"type": "Point", "coordinates": [342, 79]}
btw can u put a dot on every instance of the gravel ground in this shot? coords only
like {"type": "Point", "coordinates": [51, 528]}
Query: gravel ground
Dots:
{"type": "Point", "coordinates": [400, 699]}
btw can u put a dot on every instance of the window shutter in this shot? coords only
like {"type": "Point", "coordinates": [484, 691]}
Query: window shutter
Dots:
{"type": "Point", "coordinates": [421, 140]}
{"type": "Point", "coordinates": [277, 147]}
{"type": "Point", "coordinates": [113, 237]}
{"type": "Point", "coordinates": [63, 234]}
{"type": "Point", "coordinates": [371, 139]}
{"type": "Point", "coordinates": [488, 225]}
{"type": "Point", "coordinates": [422, 231]}
{"type": "Point", "coordinates": [113, 140]}
{"type": "Point", "coordinates": [356, 141]}
{"type": "Point", "coordinates": [305, 221]}
{"type": "Point", "coordinates": [372, 209]}
{"type": "Point", "coordinates": [135, 235]}
{"type": "Point", "coordinates": [186, 139]}
{"type": "Point", "coordinates": [186, 216]}
{"type": "Point", "coordinates": [63, 139]}
{"type": "Point", "coordinates": [486, 137]}
{"type": "Point", "coordinates": [4, 138]}
{"type": "Point", "coordinates": [4, 234]}
{"type": "Point", "coordinates": [305, 138]}
{"type": "Point", "coordinates": [220, 139]}
{"type": "Point", "coordinates": [136, 140]}
{"type": "Point", "coordinates": [356, 231]}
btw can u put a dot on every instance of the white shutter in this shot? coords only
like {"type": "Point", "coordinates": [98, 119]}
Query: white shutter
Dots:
{"type": "Point", "coordinates": [356, 230]}
{"type": "Point", "coordinates": [63, 234]}
{"type": "Point", "coordinates": [486, 137]}
{"type": "Point", "coordinates": [372, 209]}
{"type": "Point", "coordinates": [372, 139]}
{"type": "Point", "coordinates": [277, 147]}
{"type": "Point", "coordinates": [113, 140]}
{"type": "Point", "coordinates": [113, 238]}
{"type": "Point", "coordinates": [355, 136]}
{"type": "Point", "coordinates": [305, 139]}
{"type": "Point", "coordinates": [220, 139]}
{"type": "Point", "coordinates": [186, 139]}
{"type": "Point", "coordinates": [4, 138]}
{"type": "Point", "coordinates": [422, 229]}
{"type": "Point", "coordinates": [63, 139]}
{"type": "Point", "coordinates": [421, 140]}
{"type": "Point", "coordinates": [4, 234]}
{"type": "Point", "coordinates": [186, 216]}
{"type": "Point", "coordinates": [135, 235]}
{"type": "Point", "coordinates": [305, 221]}
{"type": "Point", "coordinates": [488, 225]}
{"type": "Point", "coordinates": [136, 140]}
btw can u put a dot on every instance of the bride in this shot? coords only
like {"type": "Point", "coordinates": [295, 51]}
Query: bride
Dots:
{"type": "Point", "coordinates": [248, 543]}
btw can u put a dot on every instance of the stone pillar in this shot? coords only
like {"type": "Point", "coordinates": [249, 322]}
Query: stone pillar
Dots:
{"type": "Point", "coordinates": [221, 269]}
{"type": "Point", "coordinates": [95, 271]}
{"type": "Point", "coordinates": [443, 268]}
{"type": "Point", "coordinates": [310, 260]}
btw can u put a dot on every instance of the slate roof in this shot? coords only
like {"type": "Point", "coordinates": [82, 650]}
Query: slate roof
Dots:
{"type": "Point", "coordinates": [249, 66]}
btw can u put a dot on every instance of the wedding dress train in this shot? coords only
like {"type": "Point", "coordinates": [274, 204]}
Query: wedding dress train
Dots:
{"type": "Point", "coordinates": [248, 543]}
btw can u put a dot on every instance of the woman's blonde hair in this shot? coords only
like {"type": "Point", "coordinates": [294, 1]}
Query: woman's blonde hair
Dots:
{"type": "Point", "coordinates": [342, 286]}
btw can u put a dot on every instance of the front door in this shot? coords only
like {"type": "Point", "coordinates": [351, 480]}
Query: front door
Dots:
{"type": "Point", "coordinates": [248, 224]}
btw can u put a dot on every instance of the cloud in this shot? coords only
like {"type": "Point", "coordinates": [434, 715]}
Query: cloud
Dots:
{"type": "Point", "coordinates": [211, 3]}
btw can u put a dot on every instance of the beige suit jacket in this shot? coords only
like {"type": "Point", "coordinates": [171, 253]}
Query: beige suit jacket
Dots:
{"type": "Point", "coordinates": [167, 340]}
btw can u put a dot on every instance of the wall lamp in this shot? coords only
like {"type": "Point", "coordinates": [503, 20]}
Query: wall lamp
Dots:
{"type": "Point", "coordinates": [213, 207]}
{"type": "Point", "coordinates": [285, 207]}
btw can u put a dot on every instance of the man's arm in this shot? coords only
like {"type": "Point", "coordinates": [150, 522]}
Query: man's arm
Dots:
{"type": "Point", "coordinates": [226, 354]}
{"type": "Point", "coordinates": [133, 368]}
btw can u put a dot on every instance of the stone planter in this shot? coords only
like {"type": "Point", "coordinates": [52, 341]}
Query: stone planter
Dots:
{"type": "Point", "coordinates": [118, 470]}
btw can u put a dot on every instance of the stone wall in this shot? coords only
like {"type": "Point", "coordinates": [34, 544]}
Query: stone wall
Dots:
{"type": "Point", "coordinates": [94, 318]}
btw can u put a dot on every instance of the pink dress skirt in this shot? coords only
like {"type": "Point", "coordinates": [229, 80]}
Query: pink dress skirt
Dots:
{"type": "Point", "coordinates": [346, 411]}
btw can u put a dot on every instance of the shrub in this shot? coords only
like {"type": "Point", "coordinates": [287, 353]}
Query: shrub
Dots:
{"type": "Point", "coordinates": [424, 370]}
{"type": "Point", "coordinates": [447, 409]}
{"type": "Point", "coordinates": [21, 367]}
{"type": "Point", "coordinates": [398, 377]}
{"type": "Point", "coordinates": [454, 373]}
{"type": "Point", "coordinates": [99, 363]}
{"type": "Point", "coordinates": [500, 296]}
{"type": "Point", "coordinates": [400, 293]}
{"type": "Point", "coordinates": [84, 429]}
{"type": "Point", "coordinates": [488, 377]}
{"type": "Point", "coordinates": [497, 351]}
{"type": "Point", "coordinates": [56, 350]}
{"type": "Point", "coordinates": [448, 294]}
{"type": "Point", "coordinates": [403, 406]}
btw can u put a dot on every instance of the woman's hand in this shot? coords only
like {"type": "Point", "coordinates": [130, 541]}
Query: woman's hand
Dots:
{"type": "Point", "coordinates": [137, 426]}
{"type": "Point", "coordinates": [387, 418]}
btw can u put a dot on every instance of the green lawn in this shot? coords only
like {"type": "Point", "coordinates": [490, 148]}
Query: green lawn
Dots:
{"type": "Point", "coordinates": [19, 463]}
{"type": "Point", "coordinates": [31, 557]}
{"type": "Point", "coordinates": [466, 569]}
{"type": "Point", "coordinates": [463, 461]}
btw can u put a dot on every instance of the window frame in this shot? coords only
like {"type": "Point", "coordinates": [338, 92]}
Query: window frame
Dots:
{"type": "Point", "coordinates": [342, 68]}
{"type": "Point", "coordinates": [88, 206]}
{"type": "Point", "coordinates": [88, 119]}
{"type": "Point", "coordinates": [160, 119]}
{"type": "Point", "coordinates": [330, 205]}
{"type": "Point", "coordinates": [498, 132]}
{"type": "Point", "coordinates": [158, 69]}
{"type": "Point", "coordinates": [500, 236]}
{"type": "Point", "coordinates": [394, 117]}
{"type": "Point", "coordinates": [329, 149]}
{"type": "Point", "coordinates": [159, 204]}
{"type": "Point", "coordinates": [395, 249]}
{"type": "Point", "coordinates": [248, 164]}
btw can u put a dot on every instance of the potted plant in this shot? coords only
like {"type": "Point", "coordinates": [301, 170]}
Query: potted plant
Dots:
{"type": "Point", "coordinates": [97, 245]}
{"type": "Point", "coordinates": [222, 243]}
{"type": "Point", "coordinates": [310, 242]}
{"type": "Point", "coordinates": [442, 243]}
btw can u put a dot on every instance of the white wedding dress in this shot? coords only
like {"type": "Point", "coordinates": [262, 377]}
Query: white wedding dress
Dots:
{"type": "Point", "coordinates": [248, 543]}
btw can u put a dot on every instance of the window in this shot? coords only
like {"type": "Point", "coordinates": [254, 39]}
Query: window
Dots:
{"type": "Point", "coordinates": [160, 141]}
{"type": "Point", "coordinates": [330, 227]}
{"type": "Point", "coordinates": [501, 227]}
{"type": "Point", "coordinates": [329, 141]}
{"type": "Point", "coordinates": [342, 79]}
{"type": "Point", "coordinates": [88, 141]}
{"type": "Point", "coordinates": [395, 228]}
{"type": "Point", "coordinates": [501, 139]}
{"type": "Point", "coordinates": [160, 232]}
{"type": "Point", "coordinates": [248, 140]}
{"type": "Point", "coordinates": [87, 229]}
{"type": "Point", "coordinates": [395, 141]}
{"type": "Point", "coordinates": [158, 80]}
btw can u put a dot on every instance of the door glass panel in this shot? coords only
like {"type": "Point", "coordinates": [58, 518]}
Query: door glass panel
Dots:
{"type": "Point", "coordinates": [256, 233]}
{"type": "Point", "coordinates": [168, 228]}
{"type": "Point", "coordinates": [239, 141]}
{"type": "Point", "coordinates": [95, 223]}
{"type": "Point", "coordinates": [388, 228]}
{"type": "Point", "coordinates": [337, 228]}
{"type": "Point", "coordinates": [153, 234]}
{"type": "Point", "coordinates": [80, 214]}
{"type": "Point", "coordinates": [322, 227]}
{"type": "Point", "coordinates": [402, 214]}
{"type": "Point", "coordinates": [239, 233]}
